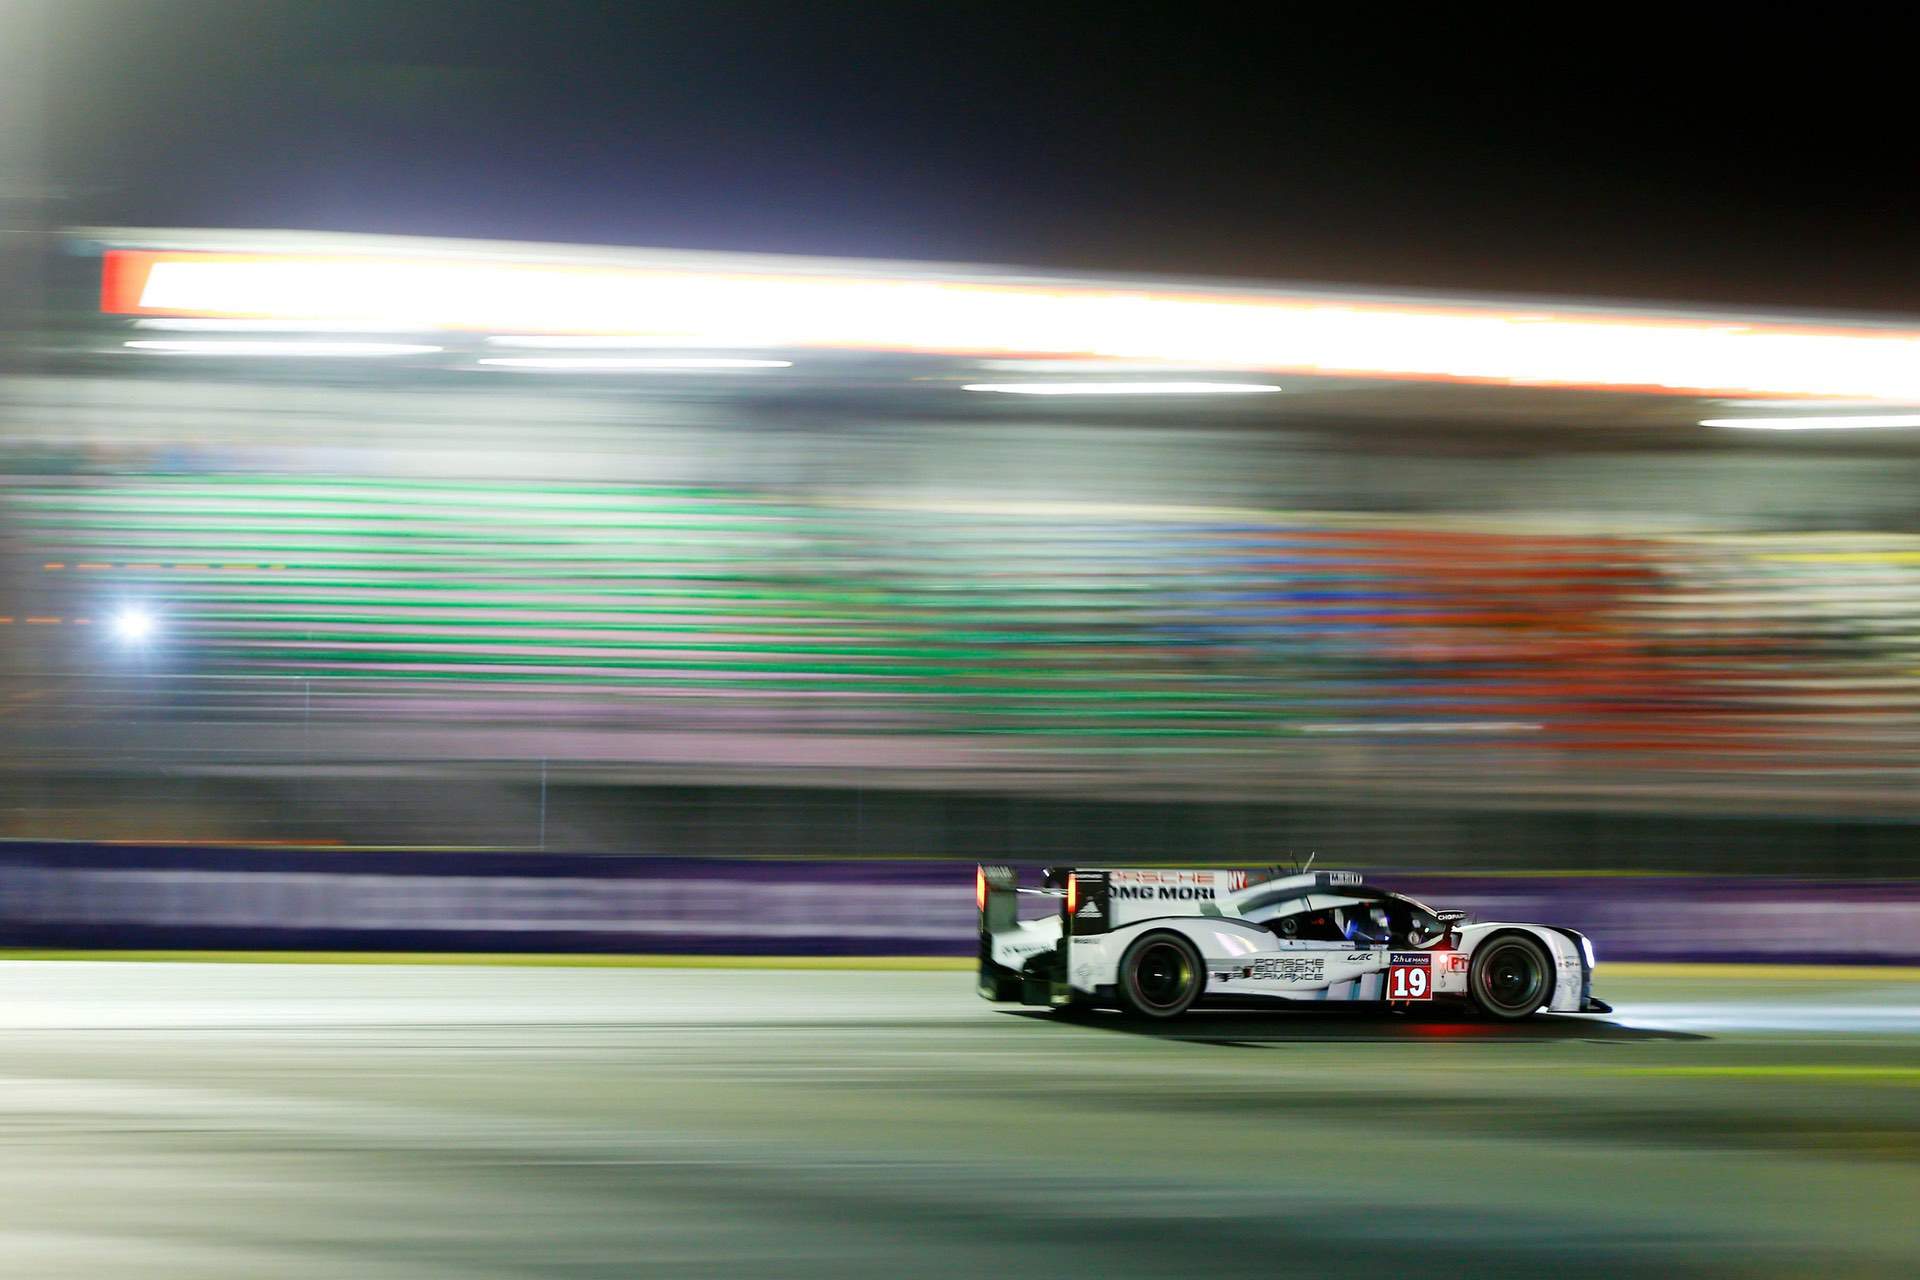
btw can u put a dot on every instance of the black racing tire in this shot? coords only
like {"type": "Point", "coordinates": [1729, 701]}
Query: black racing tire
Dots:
{"type": "Point", "coordinates": [1161, 975]}
{"type": "Point", "coordinates": [1510, 978]}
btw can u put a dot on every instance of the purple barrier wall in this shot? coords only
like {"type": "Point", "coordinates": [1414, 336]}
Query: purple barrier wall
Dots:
{"type": "Point", "coordinates": [1705, 918]}
{"type": "Point", "coordinates": [168, 897]}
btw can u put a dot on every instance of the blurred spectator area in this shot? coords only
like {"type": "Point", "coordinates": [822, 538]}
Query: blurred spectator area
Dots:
{"type": "Point", "coordinates": [832, 603]}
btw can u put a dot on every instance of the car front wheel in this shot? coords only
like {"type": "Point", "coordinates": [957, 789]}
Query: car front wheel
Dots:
{"type": "Point", "coordinates": [1510, 978]}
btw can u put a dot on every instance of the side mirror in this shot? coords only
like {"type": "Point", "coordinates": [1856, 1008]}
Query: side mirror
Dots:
{"type": "Point", "coordinates": [1450, 922]}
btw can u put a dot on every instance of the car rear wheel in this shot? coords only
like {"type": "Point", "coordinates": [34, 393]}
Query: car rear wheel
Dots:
{"type": "Point", "coordinates": [1161, 976]}
{"type": "Point", "coordinates": [1510, 978]}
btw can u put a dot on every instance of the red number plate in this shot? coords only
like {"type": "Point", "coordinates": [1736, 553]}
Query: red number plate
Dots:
{"type": "Point", "coordinates": [1410, 978]}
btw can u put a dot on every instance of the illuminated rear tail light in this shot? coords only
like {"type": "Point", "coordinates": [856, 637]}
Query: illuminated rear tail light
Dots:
{"type": "Point", "coordinates": [980, 887]}
{"type": "Point", "coordinates": [1073, 895]}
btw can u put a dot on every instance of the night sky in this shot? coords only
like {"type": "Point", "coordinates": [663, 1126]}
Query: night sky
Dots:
{"type": "Point", "coordinates": [1461, 150]}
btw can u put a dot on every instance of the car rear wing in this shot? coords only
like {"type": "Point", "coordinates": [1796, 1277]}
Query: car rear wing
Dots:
{"type": "Point", "coordinates": [996, 892]}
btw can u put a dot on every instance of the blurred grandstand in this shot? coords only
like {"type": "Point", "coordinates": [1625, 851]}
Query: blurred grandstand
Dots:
{"type": "Point", "coordinates": [334, 539]}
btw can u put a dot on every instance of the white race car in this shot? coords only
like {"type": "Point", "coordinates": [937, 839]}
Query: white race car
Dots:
{"type": "Point", "coordinates": [1156, 943]}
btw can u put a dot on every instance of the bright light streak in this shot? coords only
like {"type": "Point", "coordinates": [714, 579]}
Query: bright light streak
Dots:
{"type": "Point", "coordinates": [987, 317]}
{"type": "Point", "coordinates": [1836, 422]}
{"type": "Point", "coordinates": [1058, 365]}
{"type": "Point", "coordinates": [289, 347]}
{"type": "Point", "coordinates": [192, 324]}
{"type": "Point", "coordinates": [1124, 388]}
{"type": "Point", "coordinates": [132, 625]}
{"type": "Point", "coordinates": [615, 363]}
{"type": "Point", "coordinates": [602, 342]}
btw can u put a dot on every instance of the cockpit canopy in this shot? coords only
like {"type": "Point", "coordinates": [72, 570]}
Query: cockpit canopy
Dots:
{"type": "Point", "coordinates": [1357, 915]}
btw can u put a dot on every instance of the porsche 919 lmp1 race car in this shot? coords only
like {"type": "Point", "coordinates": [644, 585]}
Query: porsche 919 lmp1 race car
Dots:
{"type": "Point", "coordinates": [1157, 943]}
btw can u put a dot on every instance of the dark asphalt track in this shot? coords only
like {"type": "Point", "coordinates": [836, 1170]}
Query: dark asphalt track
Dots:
{"type": "Point", "coordinates": [206, 1121]}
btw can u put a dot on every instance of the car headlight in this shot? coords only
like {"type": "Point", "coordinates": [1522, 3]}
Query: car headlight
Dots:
{"type": "Point", "coordinates": [1586, 949]}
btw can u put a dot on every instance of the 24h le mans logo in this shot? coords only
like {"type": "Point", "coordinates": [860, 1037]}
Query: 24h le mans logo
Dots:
{"type": "Point", "coordinates": [1410, 976]}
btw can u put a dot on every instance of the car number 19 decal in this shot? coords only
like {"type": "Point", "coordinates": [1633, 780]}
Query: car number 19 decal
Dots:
{"type": "Point", "coordinates": [1410, 976]}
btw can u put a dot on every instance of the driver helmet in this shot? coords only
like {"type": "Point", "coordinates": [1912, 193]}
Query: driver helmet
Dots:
{"type": "Point", "coordinates": [1363, 923]}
